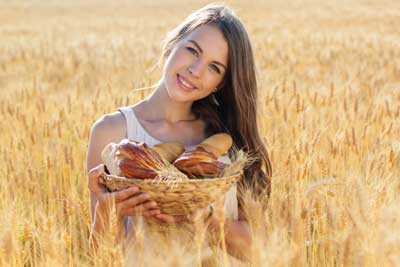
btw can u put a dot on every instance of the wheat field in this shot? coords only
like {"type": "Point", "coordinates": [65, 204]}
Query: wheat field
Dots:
{"type": "Point", "coordinates": [329, 76]}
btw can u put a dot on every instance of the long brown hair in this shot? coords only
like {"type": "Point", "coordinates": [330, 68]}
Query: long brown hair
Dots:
{"type": "Point", "coordinates": [233, 108]}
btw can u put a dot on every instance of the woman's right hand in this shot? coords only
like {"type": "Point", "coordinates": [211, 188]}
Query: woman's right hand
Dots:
{"type": "Point", "coordinates": [128, 202]}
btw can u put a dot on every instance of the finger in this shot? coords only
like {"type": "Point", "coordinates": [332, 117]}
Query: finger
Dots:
{"type": "Point", "coordinates": [125, 194]}
{"type": "Point", "coordinates": [137, 200]}
{"type": "Point", "coordinates": [94, 184]}
{"type": "Point", "coordinates": [96, 171]}
{"type": "Point", "coordinates": [151, 213]}
{"type": "Point", "coordinates": [150, 205]}
{"type": "Point", "coordinates": [142, 210]}
{"type": "Point", "coordinates": [156, 220]}
{"type": "Point", "coordinates": [145, 206]}
{"type": "Point", "coordinates": [181, 218]}
{"type": "Point", "coordinates": [153, 218]}
{"type": "Point", "coordinates": [132, 201]}
{"type": "Point", "coordinates": [165, 218]}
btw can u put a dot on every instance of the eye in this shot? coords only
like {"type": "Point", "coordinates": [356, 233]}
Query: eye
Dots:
{"type": "Point", "coordinates": [192, 50]}
{"type": "Point", "coordinates": [215, 68]}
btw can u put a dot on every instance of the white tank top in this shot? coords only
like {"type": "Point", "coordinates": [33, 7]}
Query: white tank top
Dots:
{"type": "Point", "coordinates": [136, 132]}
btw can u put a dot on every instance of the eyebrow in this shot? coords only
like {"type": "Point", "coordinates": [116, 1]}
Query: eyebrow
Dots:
{"type": "Point", "coordinates": [201, 50]}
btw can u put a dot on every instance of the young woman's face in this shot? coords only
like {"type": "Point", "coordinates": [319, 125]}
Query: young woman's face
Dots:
{"type": "Point", "coordinates": [196, 65]}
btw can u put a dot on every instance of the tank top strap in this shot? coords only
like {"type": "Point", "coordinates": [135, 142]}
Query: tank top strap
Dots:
{"type": "Point", "coordinates": [131, 123]}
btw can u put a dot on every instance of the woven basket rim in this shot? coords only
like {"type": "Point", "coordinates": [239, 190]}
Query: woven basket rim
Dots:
{"type": "Point", "coordinates": [176, 197]}
{"type": "Point", "coordinates": [155, 181]}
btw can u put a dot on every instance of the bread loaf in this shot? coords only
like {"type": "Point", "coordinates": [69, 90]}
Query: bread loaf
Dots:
{"type": "Point", "coordinates": [134, 159]}
{"type": "Point", "coordinates": [217, 144]}
{"type": "Point", "coordinates": [202, 161]}
{"type": "Point", "coordinates": [169, 151]}
{"type": "Point", "coordinates": [110, 160]}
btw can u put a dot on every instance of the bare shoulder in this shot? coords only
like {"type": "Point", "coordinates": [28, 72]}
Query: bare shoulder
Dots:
{"type": "Point", "coordinates": [108, 128]}
{"type": "Point", "coordinates": [111, 125]}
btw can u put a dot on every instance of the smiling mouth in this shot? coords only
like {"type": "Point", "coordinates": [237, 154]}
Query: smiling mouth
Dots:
{"type": "Point", "coordinates": [183, 83]}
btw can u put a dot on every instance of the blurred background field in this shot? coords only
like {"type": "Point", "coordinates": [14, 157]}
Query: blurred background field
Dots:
{"type": "Point", "coordinates": [329, 76]}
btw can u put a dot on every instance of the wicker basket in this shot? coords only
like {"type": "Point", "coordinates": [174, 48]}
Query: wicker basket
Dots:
{"type": "Point", "coordinates": [178, 198]}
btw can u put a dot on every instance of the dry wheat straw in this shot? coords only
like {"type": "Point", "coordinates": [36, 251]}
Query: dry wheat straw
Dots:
{"type": "Point", "coordinates": [330, 109]}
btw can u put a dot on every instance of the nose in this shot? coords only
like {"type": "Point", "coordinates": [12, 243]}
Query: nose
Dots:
{"type": "Point", "coordinates": [196, 68]}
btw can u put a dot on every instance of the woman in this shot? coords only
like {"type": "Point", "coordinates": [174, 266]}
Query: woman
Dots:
{"type": "Point", "coordinates": [208, 86]}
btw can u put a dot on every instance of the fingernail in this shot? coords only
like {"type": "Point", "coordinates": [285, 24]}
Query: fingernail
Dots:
{"type": "Point", "coordinates": [130, 189]}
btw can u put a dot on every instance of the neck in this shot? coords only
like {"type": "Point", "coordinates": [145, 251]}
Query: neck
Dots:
{"type": "Point", "coordinates": [163, 107]}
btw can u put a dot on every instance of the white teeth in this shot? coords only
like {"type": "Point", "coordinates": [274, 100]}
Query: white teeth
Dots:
{"type": "Point", "coordinates": [185, 83]}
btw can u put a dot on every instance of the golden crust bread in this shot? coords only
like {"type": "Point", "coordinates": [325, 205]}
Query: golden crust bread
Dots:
{"type": "Point", "coordinates": [133, 169]}
{"type": "Point", "coordinates": [203, 159]}
{"type": "Point", "coordinates": [131, 159]}
{"type": "Point", "coordinates": [134, 159]}
{"type": "Point", "coordinates": [218, 144]}
{"type": "Point", "coordinates": [199, 162]}
{"type": "Point", "coordinates": [169, 151]}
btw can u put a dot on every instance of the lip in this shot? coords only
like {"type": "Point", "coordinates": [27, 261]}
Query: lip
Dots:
{"type": "Point", "coordinates": [182, 86]}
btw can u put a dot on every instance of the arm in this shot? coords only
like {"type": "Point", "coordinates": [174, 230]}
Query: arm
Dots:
{"type": "Point", "coordinates": [128, 202]}
{"type": "Point", "coordinates": [237, 232]}
{"type": "Point", "coordinates": [103, 131]}
{"type": "Point", "coordinates": [107, 129]}
{"type": "Point", "coordinates": [238, 237]}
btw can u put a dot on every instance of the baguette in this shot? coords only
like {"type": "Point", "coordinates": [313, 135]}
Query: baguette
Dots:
{"type": "Point", "coordinates": [218, 144]}
{"type": "Point", "coordinates": [169, 151]}
{"type": "Point", "coordinates": [202, 161]}
{"type": "Point", "coordinates": [131, 159]}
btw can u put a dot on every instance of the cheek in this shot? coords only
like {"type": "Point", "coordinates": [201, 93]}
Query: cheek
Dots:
{"type": "Point", "coordinates": [177, 58]}
{"type": "Point", "coordinates": [211, 81]}
{"type": "Point", "coordinates": [172, 66]}
{"type": "Point", "coordinates": [175, 63]}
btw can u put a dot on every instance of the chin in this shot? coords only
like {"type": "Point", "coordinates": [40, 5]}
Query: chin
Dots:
{"type": "Point", "coordinates": [177, 96]}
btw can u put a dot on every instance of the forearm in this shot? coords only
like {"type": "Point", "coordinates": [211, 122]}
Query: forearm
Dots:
{"type": "Point", "coordinates": [237, 236]}
{"type": "Point", "coordinates": [98, 226]}
{"type": "Point", "coordinates": [101, 226]}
